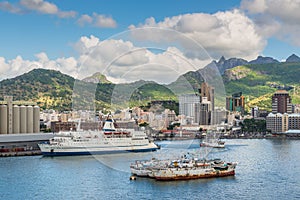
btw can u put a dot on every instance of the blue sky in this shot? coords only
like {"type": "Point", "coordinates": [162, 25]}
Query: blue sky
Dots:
{"type": "Point", "coordinates": [57, 34]}
{"type": "Point", "coordinates": [30, 33]}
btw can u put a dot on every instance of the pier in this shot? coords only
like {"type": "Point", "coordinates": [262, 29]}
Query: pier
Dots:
{"type": "Point", "coordinates": [22, 144]}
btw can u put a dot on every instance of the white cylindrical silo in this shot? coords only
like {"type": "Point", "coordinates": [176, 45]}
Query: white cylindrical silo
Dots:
{"type": "Point", "coordinates": [36, 119]}
{"type": "Point", "coordinates": [23, 119]}
{"type": "Point", "coordinates": [3, 119]}
{"type": "Point", "coordinates": [29, 112]}
{"type": "Point", "coordinates": [16, 119]}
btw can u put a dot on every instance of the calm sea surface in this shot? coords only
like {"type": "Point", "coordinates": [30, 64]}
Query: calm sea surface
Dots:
{"type": "Point", "coordinates": [267, 169]}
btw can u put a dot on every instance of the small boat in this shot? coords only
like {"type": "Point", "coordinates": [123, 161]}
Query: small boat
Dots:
{"type": "Point", "coordinates": [217, 144]}
{"type": "Point", "coordinates": [212, 140]}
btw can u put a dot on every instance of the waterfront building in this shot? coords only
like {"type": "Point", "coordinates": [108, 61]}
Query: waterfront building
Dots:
{"type": "Point", "coordinates": [281, 102]}
{"type": "Point", "coordinates": [294, 121]}
{"type": "Point", "coordinates": [19, 116]}
{"type": "Point", "coordinates": [278, 122]}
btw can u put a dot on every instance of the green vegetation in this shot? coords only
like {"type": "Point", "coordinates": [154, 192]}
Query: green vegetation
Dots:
{"type": "Point", "coordinates": [52, 89]}
{"type": "Point", "coordinates": [49, 88]}
{"type": "Point", "coordinates": [261, 81]}
{"type": "Point", "coordinates": [254, 125]}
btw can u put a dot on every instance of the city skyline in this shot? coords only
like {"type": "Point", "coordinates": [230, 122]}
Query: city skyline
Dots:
{"type": "Point", "coordinates": [60, 35]}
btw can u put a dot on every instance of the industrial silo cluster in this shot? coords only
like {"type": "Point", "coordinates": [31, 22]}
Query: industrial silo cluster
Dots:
{"type": "Point", "coordinates": [16, 117]}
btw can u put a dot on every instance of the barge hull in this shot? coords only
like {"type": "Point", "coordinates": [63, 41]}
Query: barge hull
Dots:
{"type": "Point", "coordinates": [188, 177]}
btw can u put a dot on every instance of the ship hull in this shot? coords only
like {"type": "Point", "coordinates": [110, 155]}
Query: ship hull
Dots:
{"type": "Point", "coordinates": [197, 176]}
{"type": "Point", "coordinates": [52, 151]}
{"type": "Point", "coordinates": [212, 145]}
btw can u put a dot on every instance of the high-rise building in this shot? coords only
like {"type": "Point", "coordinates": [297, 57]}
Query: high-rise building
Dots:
{"type": "Point", "coordinates": [281, 102]}
{"type": "Point", "coordinates": [198, 108]}
{"type": "Point", "coordinates": [189, 105]}
{"type": "Point", "coordinates": [236, 103]}
{"type": "Point", "coordinates": [209, 93]}
{"type": "Point", "coordinates": [205, 112]}
{"type": "Point", "coordinates": [207, 104]}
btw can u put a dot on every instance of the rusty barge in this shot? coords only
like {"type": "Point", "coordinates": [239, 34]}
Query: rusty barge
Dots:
{"type": "Point", "coordinates": [183, 169]}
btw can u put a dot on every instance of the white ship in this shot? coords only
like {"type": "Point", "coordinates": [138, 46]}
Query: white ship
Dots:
{"type": "Point", "coordinates": [107, 141]}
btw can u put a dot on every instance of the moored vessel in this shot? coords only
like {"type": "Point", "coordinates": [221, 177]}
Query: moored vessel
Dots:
{"type": "Point", "coordinates": [215, 144]}
{"type": "Point", "coordinates": [107, 141]}
{"type": "Point", "coordinates": [183, 169]}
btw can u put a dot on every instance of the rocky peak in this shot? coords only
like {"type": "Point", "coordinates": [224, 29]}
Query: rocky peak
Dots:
{"type": "Point", "coordinates": [224, 64]}
{"type": "Point", "coordinates": [293, 58]}
{"type": "Point", "coordinates": [96, 78]}
{"type": "Point", "coordinates": [264, 60]}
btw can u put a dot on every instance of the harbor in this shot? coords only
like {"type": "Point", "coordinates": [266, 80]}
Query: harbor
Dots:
{"type": "Point", "coordinates": [27, 144]}
{"type": "Point", "coordinates": [264, 166]}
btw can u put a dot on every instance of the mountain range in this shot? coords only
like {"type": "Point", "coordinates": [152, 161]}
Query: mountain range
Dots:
{"type": "Point", "coordinates": [257, 79]}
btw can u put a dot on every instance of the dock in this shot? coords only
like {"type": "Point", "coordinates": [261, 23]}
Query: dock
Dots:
{"type": "Point", "coordinates": [22, 144]}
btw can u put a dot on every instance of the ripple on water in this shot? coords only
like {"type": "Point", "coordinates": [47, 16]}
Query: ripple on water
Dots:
{"type": "Point", "coordinates": [267, 169]}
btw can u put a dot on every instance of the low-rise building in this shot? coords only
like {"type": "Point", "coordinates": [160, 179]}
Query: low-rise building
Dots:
{"type": "Point", "coordinates": [277, 122]}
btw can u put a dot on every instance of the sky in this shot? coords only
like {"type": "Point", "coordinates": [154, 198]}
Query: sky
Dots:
{"type": "Point", "coordinates": [150, 40]}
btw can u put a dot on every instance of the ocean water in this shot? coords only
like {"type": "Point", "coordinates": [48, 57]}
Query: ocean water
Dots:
{"type": "Point", "coordinates": [267, 169]}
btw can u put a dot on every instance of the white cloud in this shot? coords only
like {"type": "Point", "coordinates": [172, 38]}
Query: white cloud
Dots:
{"type": "Point", "coordinates": [276, 18]}
{"type": "Point", "coordinates": [19, 66]}
{"type": "Point", "coordinates": [104, 21]}
{"type": "Point", "coordinates": [67, 14]}
{"type": "Point", "coordinates": [6, 6]}
{"type": "Point", "coordinates": [122, 61]}
{"type": "Point", "coordinates": [254, 6]}
{"type": "Point", "coordinates": [229, 34]}
{"type": "Point", "coordinates": [4, 68]}
{"type": "Point", "coordinates": [45, 7]}
{"type": "Point", "coordinates": [119, 60]}
{"type": "Point", "coordinates": [40, 6]}
{"type": "Point", "coordinates": [285, 10]}
{"type": "Point", "coordinates": [85, 43]}
{"type": "Point", "coordinates": [84, 19]}
{"type": "Point", "coordinates": [97, 20]}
